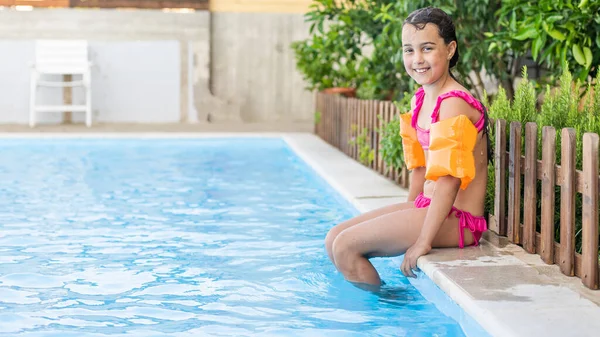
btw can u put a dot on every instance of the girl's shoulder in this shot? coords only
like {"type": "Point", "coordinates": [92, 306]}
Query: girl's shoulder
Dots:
{"type": "Point", "coordinates": [458, 102]}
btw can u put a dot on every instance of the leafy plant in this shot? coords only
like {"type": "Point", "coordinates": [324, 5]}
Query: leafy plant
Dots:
{"type": "Point", "coordinates": [553, 32]}
{"type": "Point", "coordinates": [325, 62]}
{"type": "Point", "coordinates": [390, 140]}
{"type": "Point", "coordinates": [525, 100]}
{"type": "Point", "coordinates": [501, 106]}
{"type": "Point", "coordinates": [366, 154]}
{"type": "Point", "coordinates": [391, 144]}
{"type": "Point", "coordinates": [339, 32]}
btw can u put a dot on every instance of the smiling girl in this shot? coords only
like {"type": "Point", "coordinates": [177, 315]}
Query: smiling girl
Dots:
{"type": "Point", "coordinates": [445, 144]}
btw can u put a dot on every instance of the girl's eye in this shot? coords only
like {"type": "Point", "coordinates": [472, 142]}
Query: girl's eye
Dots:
{"type": "Point", "coordinates": [406, 51]}
{"type": "Point", "coordinates": [427, 49]}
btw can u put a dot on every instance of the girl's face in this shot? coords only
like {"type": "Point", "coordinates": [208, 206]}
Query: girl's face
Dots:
{"type": "Point", "coordinates": [426, 55]}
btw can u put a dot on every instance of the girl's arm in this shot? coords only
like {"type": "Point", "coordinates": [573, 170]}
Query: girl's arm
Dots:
{"type": "Point", "coordinates": [417, 180]}
{"type": "Point", "coordinates": [442, 200]}
{"type": "Point", "coordinates": [444, 193]}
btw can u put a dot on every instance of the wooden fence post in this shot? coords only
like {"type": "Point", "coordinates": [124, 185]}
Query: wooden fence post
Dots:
{"type": "Point", "coordinates": [327, 116]}
{"type": "Point", "coordinates": [514, 184]}
{"type": "Point", "coordinates": [381, 123]}
{"type": "Point", "coordinates": [548, 183]}
{"type": "Point", "coordinates": [341, 106]}
{"type": "Point", "coordinates": [370, 128]}
{"type": "Point", "coordinates": [500, 174]}
{"type": "Point", "coordinates": [389, 117]}
{"type": "Point", "coordinates": [318, 112]}
{"type": "Point", "coordinates": [590, 211]}
{"type": "Point", "coordinates": [348, 126]}
{"type": "Point", "coordinates": [567, 202]}
{"type": "Point", "coordinates": [352, 126]}
{"type": "Point", "coordinates": [530, 186]}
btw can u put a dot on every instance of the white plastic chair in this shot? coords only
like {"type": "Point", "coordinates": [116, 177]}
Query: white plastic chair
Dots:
{"type": "Point", "coordinates": [61, 57]}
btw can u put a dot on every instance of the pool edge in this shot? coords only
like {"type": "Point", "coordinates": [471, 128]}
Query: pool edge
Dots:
{"type": "Point", "coordinates": [505, 305]}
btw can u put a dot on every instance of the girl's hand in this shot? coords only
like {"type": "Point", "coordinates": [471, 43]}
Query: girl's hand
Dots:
{"type": "Point", "coordinates": [411, 256]}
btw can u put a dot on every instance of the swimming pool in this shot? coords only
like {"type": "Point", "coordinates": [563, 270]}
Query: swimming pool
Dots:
{"type": "Point", "coordinates": [183, 237]}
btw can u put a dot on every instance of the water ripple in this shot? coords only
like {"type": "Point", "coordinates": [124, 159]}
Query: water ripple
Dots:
{"type": "Point", "coordinates": [182, 238]}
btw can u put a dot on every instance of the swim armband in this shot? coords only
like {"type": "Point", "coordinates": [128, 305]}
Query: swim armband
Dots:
{"type": "Point", "coordinates": [413, 152]}
{"type": "Point", "coordinates": [451, 144]}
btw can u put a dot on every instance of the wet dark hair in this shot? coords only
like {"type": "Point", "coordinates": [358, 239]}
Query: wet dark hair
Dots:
{"type": "Point", "coordinates": [443, 21]}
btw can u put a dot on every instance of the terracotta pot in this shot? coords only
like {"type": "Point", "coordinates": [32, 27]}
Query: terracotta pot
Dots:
{"type": "Point", "coordinates": [346, 92]}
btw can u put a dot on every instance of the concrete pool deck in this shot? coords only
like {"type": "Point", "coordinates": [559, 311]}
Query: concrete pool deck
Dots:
{"type": "Point", "coordinates": [506, 290]}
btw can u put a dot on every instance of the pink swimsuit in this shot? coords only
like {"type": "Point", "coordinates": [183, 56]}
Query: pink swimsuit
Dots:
{"type": "Point", "coordinates": [476, 224]}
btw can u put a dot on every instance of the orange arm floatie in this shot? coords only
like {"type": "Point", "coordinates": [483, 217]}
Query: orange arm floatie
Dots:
{"type": "Point", "coordinates": [413, 152]}
{"type": "Point", "coordinates": [451, 144]}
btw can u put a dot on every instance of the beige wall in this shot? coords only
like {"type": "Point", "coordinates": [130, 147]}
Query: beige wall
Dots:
{"type": "Point", "coordinates": [262, 6]}
{"type": "Point", "coordinates": [253, 69]}
{"type": "Point", "coordinates": [253, 72]}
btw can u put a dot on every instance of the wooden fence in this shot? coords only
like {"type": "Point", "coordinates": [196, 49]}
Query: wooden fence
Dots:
{"type": "Point", "coordinates": [517, 177]}
{"type": "Point", "coordinates": [150, 4]}
{"type": "Point", "coordinates": [520, 192]}
{"type": "Point", "coordinates": [343, 120]}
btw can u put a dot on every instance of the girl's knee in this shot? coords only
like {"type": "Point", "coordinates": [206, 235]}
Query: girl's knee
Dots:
{"type": "Point", "coordinates": [343, 248]}
{"type": "Point", "coordinates": [331, 236]}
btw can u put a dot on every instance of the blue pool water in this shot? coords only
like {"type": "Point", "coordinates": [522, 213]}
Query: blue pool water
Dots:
{"type": "Point", "coordinates": [205, 237]}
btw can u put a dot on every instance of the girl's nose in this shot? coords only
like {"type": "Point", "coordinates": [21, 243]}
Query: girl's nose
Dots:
{"type": "Point", "coordinates": [418, 58]}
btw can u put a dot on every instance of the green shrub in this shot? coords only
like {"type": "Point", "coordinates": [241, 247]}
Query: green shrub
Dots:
{"type": "Point", "coordinates": [561, 108]}
{"type": "Point", "coordinates": [390, 140]}
{"type": "Point", "coordinates": [366, 154]}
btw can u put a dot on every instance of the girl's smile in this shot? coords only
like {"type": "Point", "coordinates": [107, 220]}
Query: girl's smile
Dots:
{"type": "Point", "coordinates": [425, 54]}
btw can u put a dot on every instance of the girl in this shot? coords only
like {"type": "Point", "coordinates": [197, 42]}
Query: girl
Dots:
{"type": "Point", "coordinates": [446, 146]}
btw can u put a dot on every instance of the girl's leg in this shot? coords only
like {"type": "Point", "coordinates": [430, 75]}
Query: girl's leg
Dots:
{"type": "Point", "coordinates": [387, 235]}
{"type": "Point", "coordinates": [334, 231]}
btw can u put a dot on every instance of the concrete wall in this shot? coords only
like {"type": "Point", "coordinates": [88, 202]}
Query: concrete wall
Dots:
{"type": "Point", "coordinates": [152, 66]}
{"type": "Point", "coordinates": [253, 67]}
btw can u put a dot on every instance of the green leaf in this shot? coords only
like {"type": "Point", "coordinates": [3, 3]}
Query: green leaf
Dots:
{"type": "Point", "coordinates": [492, 46]}
{"type": "Point", "coordinates": [554, 18]}
{"type": "Point", "coordinates": [548, 50]}
{"type": "Point", "coordinates": [513, 21]}
{"type": "Point", "coordinates": [488, 34]}
{"type": "Point", "coordinates": [526, 33]}
{"type": "Point", "coordinates": [587, 52]}
{"type": "Point", "coordinates": [556, 34]}
{"type": "Point", "coordinates": [535, 48]}
{"type": "Point", "coordinates": [583, 3]}
{"type": "Point", "coordinates": [578, 54]}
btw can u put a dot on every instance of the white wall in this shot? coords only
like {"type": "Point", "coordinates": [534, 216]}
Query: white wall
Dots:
{"type": "Point", "coordinates": [127, 85]}
{"type": "Point", "coordinates": [152, 66]}
{"type": "Point", "coordinates": [130, 86]}
{"type": "Point", "coordinates": [142, 61]}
